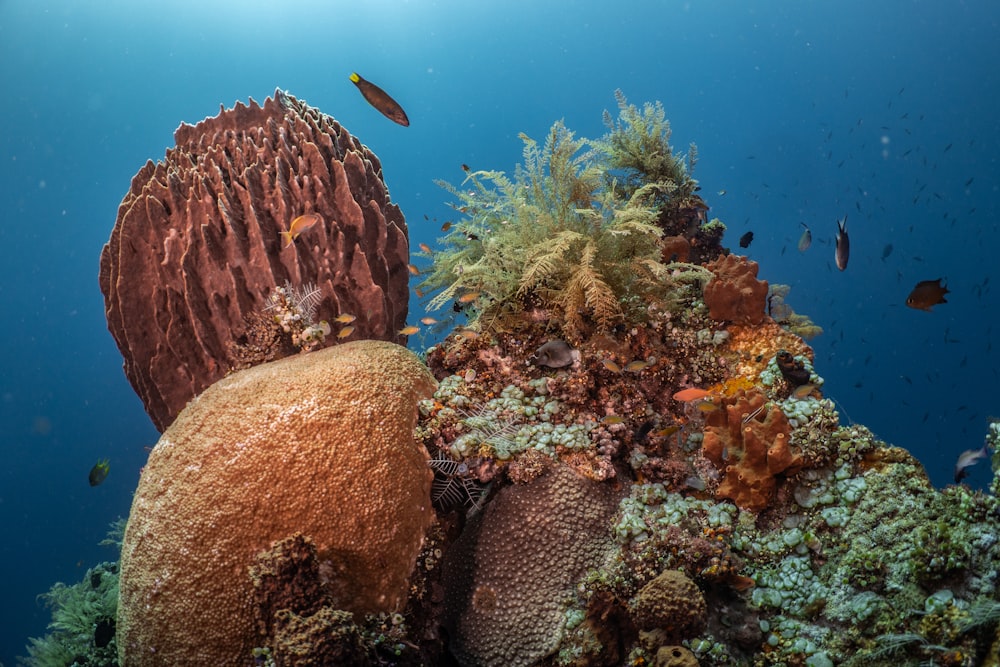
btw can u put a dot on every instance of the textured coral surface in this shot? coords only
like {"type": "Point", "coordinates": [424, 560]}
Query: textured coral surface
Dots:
{"type": "Point", "coordinates": [735, 295]}
{"type": "Point", "coordinates": [196, 248]}
{"type": "Point", "coordinates": [320, 444]}
{"type": "Point", "coordinates": [750, 442]}
{"type": "Point", "coordinates": [509, 578]}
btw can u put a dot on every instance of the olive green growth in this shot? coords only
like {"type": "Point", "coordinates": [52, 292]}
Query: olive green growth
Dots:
{"type": "Point", "coordinates": [572, 237]}
{"type": "Point", "coordinates": [82, 630]}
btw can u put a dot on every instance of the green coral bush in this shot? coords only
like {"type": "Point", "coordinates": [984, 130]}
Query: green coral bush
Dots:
{"type": "Point", "coordinates": [82, 630]}
{"type": "Point", "coordinates": [573, 235]}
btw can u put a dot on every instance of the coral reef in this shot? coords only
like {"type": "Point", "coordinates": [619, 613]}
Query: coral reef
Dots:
{"type": "Point", "coordinates": [750, 442]}
{"type": "Point", "coordinates": [82, 630]}
{"type": "Point", "coordinates": [672, 604]}
{"type": "Point", "coordinates": [557, 239]}
{"type": "Point", "coordinates": [625, 461]}
{"type": "Point", "coordinates": [506, 598]}
{"type": "Point", "coordinates": [778, 308]}
{"type": "Point", "coordinates": [734, 294]}
{"type": "Point", "coordinates": [196, 249]}
{"type": "Point", "coordinates": [319, 444]}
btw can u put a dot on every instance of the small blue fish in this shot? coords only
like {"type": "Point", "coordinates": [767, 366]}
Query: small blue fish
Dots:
{"type": "Point", "coordinates": [99, 472]}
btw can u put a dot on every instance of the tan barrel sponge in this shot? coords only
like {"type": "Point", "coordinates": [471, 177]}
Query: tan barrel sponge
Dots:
{"type": "Point", "coordinates": [197, 247]}
{"type": "Point", "coordinates": [319, 444]}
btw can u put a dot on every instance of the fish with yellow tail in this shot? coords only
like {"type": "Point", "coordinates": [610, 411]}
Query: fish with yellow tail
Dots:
{"type": "Point", "coordinates": [843, 244]}
{"type": "Point", "coordinates": [99, 472]}
{"type": "Point", "coordinates": [299, 225]}
{"type": "Point", "coordinates": [380, 99]}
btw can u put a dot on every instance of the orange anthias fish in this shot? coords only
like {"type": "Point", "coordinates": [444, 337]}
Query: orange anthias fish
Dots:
{"type": "Point", "coordinates": [299, 225]}
{"type": "Point", "coordinates": [692, 394]}
{"type": "Point", "coordinates": [927, 293]}
{"type": "Point", "coordinates": [379, 99]}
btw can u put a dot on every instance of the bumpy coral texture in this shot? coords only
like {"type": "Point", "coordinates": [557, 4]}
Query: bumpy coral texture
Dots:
{"type": "Point", "coordinates": [675, 656]}
{"type": "Point", "coordinates": [286, 577]}
{"type": "Point", "coordinates": [734, 294]}
{"type": "Point", "coordinates": [673, 603]}
{"type": "Point", "coordinates": [511, 572]}
{"type": "Point", "coordinates": [196, 248]}
{"type": "Point", "coordinates": [321, 444]}
{"type": "Point", "coordinates": [750, 443]}
{"type": "Point", "coordinates": [328, 637]}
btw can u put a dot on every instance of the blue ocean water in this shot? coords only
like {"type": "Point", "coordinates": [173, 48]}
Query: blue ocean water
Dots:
{"type": "Point", "coordinates": [802, 112]}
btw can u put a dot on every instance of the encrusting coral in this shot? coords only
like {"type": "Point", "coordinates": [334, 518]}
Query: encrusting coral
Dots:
{"type": "Point", "coordinates": [319, 444]}
{"type": "Point", "coordinates": [196, 250]}
{"type": "Point", "coordinates": [734, 294]}
{"type": "Point", "coordinates": [499, 587]}
{"type": "Point", "coordinates": [750, 442]}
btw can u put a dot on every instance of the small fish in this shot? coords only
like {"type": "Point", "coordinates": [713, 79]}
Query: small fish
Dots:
{"type": "Point", "coordinates": [299, 225]}
{"type": "Point", "coordinates": [465, 167]}
{"type": "Point", "coordinates": [708, 404]}
{"type": "Point", "coordinates": [637, 366]}
{"type": "Point", "coordinates": [554, 354]}
{"type": "Point", "coordinates": [424, 248]}
{"type": "Point", "coordinates": [927, 293]}
{"type": "Point", "coordinates": [379, 99]}
{"type": "Point", "coordinates": [344, 318]}
{"type": "Point", "coordinates": [409, 331]}
{"type": "Point", "coordinates": [691, 394]}
{"type": "Point", "coordinates": [667, 431]}
{"type": "Point", "coordinates": [99, 472]}
{"type": "Point", "coordinates": [446, 226]}
{"type": "Point", "coordinates": [428, 321]}
{"type": "Point", "coordinates": [641, 435]}
{"type": "Point", "coordinates": [345, 332]}
{"type": "Point", "coordinates": [468, 334]}
{"type": "Point", "coordinates": [468, 297]}
{"type": "Point", "coordinates": [413, 269]}
{"type": "Point", "coordinates": [966, 460]}
{"type": "Point", "coordinates": [612, 419]}
{"type": "Point", "coordinates": [886, 251]}
{"type": "Point", "coordinates": [843, 244]}
{"type": "Point", "coordinates": [746, 240]}
{"type": "Point", "coordinates": [722, 193]}
{"type": "Point", "coordinates": [803, 390]}
{"type": "Point", "coordinates": [806, 239]}
{"type": "Point", "coordinates": [611, 365]}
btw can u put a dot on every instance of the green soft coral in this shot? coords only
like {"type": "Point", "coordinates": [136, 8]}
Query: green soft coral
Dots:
{"type": "Point", "coordinates": [574, 233]}
{"type": "Point", "coordinates": [83, 617]}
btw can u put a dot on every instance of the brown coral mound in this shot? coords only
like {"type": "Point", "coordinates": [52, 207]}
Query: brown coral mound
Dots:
{"type": "Point", "coordinates": [320, 444]}
{"type": "Point", "coordinates": [750, 443]}
{"type": "Point", "coordinates": [511, 572]}
{"type": "Point", "coordinates": [196, 248]}
{"type": "Point", "coordinates": [286, 577]}
{"type": "Point", "coordinates": [734, 294]}
{"type": "Point", "coordinates": [672, 603]}
{"type": "Point", "coordinates": [328, 637]}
